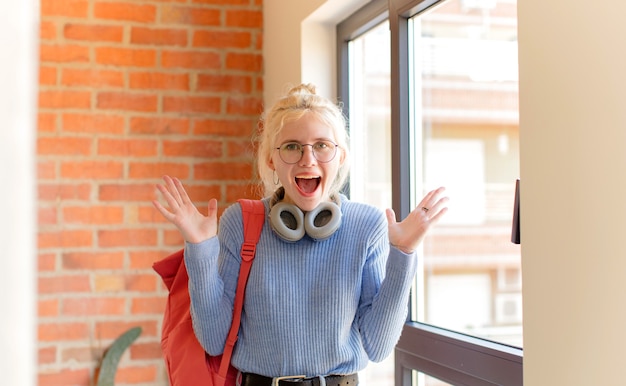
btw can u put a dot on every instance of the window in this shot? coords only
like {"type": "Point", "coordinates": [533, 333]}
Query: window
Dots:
{"type": "Point", "coordinates": [436, 104]}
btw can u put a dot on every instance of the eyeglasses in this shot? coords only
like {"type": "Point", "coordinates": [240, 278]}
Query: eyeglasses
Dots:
{"type": "Point", "coordinates": [292, 152]}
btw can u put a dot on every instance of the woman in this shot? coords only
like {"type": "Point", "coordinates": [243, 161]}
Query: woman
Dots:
{"type": "Point", "coordinates": [329, 286]}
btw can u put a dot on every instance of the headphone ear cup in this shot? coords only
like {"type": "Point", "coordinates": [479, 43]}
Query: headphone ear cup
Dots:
{"type": "Point", "coordinates": [287, 221]}
{"type": "Point", "coordinates": [323, 221]}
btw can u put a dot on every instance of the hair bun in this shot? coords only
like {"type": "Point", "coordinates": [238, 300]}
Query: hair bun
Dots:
{"type": "Point", "coordinates": [303, 88]}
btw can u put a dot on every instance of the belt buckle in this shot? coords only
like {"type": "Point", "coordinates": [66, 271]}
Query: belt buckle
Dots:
{"type": "Point", "coordinates": [276, 380]}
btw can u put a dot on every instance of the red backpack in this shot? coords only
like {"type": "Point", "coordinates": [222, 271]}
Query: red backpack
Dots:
{"type": "Point", "coordinates": [187, 362]}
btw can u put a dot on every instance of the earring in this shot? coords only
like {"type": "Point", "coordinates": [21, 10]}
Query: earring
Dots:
{"type": "Point", "coordinates": [275, 177]}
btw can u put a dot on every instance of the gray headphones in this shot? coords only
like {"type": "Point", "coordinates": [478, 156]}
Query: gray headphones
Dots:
{"type": "Point", "coordinates": [291, 224]}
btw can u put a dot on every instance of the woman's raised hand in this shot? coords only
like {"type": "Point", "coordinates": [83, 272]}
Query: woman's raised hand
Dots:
{"type": "Point", "coordinates": [408, 234]}
{"type": "Point", "coordinates": [193, 225]}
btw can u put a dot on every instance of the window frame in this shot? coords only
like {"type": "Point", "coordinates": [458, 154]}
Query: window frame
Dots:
{"type": "Point", "coordinates": [450, 356]}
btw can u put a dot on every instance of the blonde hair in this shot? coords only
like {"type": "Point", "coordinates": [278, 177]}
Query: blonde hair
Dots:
{"type": "Point", "coordinates": [298, 101]}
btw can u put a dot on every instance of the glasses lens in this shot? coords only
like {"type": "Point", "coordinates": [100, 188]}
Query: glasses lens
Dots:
{"type": "Point", "coordinates": [290, 152]}
{"type": "Point", "coordinates": [324, 151]}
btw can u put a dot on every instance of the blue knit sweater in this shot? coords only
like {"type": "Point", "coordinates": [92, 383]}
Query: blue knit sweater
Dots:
{"type": "Point", "coordinates": [311, 307]}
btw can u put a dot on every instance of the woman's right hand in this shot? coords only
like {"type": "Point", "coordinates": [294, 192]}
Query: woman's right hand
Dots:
{"type": "Point", "coordinates": [193, 225]}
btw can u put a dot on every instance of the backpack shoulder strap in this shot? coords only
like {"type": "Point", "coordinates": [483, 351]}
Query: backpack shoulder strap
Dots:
{"type": "Point", "coordinates": [253, 218]}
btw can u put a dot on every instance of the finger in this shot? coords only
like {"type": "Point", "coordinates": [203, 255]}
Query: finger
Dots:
{"type": "Point", "coordinates": [165, 192]}
{"type": "Point", "coordinates": [391, 216]}
{"type": "Point", "coordinates": [172, 189]}
{"type": "Point", "coordinates": [182, 193]}
{"type": "Point", "coordinates": [212, 208]}
{"type": "Point", "coordinates": [166, 213]}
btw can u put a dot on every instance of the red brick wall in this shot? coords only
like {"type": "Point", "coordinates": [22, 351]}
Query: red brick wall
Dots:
{"type": "Point", "coordinates": [131, 90]}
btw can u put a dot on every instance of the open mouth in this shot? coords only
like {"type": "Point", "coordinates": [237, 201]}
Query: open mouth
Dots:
{"type": "Point", "coordinates": [308, 184]}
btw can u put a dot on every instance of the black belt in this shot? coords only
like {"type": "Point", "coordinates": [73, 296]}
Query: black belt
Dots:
{"type": "Point", "coordinates": [250, 379]}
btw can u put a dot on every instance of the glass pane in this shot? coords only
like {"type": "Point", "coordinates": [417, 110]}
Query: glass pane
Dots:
{"type": "Point", "coordinates": [465, 126]}
{"type": "Point", "coordinates": [369, 117]}
{"type": "Point", "coordinates": [370, 142]}
{"type": "Point", "coordinates": [421, 379]}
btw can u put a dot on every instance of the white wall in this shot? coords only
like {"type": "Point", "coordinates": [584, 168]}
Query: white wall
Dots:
{"type": "Point", "coordinates": [299, 44]}
{"type": "Point", "coordinates": [19, 31]}
{"type": "Point", "coordinates": [573, 183]}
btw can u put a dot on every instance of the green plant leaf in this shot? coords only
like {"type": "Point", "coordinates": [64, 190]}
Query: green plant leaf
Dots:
{"type": "Point", "coordinates": [111, 358]}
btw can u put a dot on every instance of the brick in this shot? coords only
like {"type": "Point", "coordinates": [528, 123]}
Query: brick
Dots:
{"type": "Point", "coordinates": [223, 171]}
{"type": "Point", "coordinates": [92, 78]}
{"type": "Point", "coordinates": [159, 125]}
{"type": "Point", "coordinates": [244, 62]}
{"type": "Point", "coordinates": [92, 123]}
{"type": "Point", "coordinates": [127, 192]}
{"type": "Point", "coordinates": [149, 214]}
{"type": "Point", "coordinates": [64, 284]}
{"type": "Point", "coordinates": [53, 332]}
{"type": "Point", "coordinates": [141, 170]}
{"type": "Point", "coordinates": [240, 149]}
{"type": "Point", "coordinates": [222, 2]}
{"type": "Point", "coordinates": [47, 76]}
{"type": "Point", "coordinates": [126, 237]}
{"type": "Point", "coordinates": [65, 377]}
{"type": "Point", "coordinates": [74, 146]}
{"type": "Point", "coordinates": [148, 305]}
{"type": "Point", "coordinates": [46, 355]}
{"type": "Point", "coordinates": [246, 190]}
{"type": "Point", "coordinates": [173, 237]}
{"type": "Point", "coordinates": [127, 101]}
{"type": "Point", "coordinates": [67, 8]}
{"type": "Point", "coordinates": [47, 307]}
{"type": "Point", "coordinates": [46, 262]}
{"type": "Point", "coordinates": [65, 239]}
{"type": "Point", "coordinates": [60, 192]}
{"type": "Point", "coordinates": [151, 350]}
{"type": "Point", "coordinates": [244, 106]}
{"type": "Point", "coordinates": [224, 83]}
{"type": "Point", "coordinates": [108, 283]}
{"type": "Point", "coordinates": [191, 60]}
{"type": "Point", "coordinates": [190, 16]}
{"type": "Point", "coordinates": [192, 104]}
{"type": "Point", "coordinates": [119, 283]}
{"type": "Point", "coordinates": [47, 30]}
{"type": "Point", "coordinates": [135, 148]}
{"type": "Point", "coordinates": [225, 127]}
{"type": "Point", "coordinates": [46, 122]}
{"type": "Point", "coordinates": [192, 148]}
{"type": "Point", "coordinates": [221, 39]}
{"type": "Point", "coordinates": [98, 260]}
{"type": "Point", "coordinates": [136, 374]}
{"type": "Point", "coordinates": [128, 57]}
{"type": "Point", "coordinates": [159, 81]}
{"type": "Point", "coordinates": [125, 12]}
{"type": "Point", "coordinates": [244, 18]}
{"type": "Point", "coordinates": [145, 259]}
{"type": "Point", "coordinates": [92, 169]}
{"type": "Point", "coordinates": [62, 53]}
{"type": "Point", "coordinates": [78, 354]}
{"type": "Point", "coordinates": [93, 214]}
{"type": "Point", "coordinates": [65, 99]}
{"type": "Point", "coordinates": [46, 170]}
{"type": "Point", "coordinates": [96, 33]}
{"type": "Point", "coordinates": [93, 306]}
{"type": "Point", "coordinates": [47, 216]}
{"type": "Point", "coordinates": [113, 329]}
{"type": "Point", "coordinates": [158, 36]}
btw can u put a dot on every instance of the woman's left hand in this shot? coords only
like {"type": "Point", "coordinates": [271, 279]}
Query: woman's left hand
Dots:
{"type": "Point", "coordinates": [408, 234]}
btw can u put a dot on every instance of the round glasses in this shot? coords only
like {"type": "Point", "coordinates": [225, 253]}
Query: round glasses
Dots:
{"type": "Point", "coordinates": [292, 152]}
